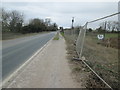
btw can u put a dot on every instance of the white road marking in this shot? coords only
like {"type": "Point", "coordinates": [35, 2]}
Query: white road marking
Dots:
{"type": "Point", "coordinates": [15, 72]}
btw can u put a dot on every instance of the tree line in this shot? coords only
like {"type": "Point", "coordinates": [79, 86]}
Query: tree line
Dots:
{"type": "Point", "coordinates": [108, 26]}
{"type": "Point", "coordinates": [14, 21]}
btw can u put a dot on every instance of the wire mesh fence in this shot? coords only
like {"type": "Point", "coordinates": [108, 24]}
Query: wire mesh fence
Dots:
{"type": "Point", "coordinates": [97, 44]}
{"type": "Point", "coordinates": [72, 34]}
{"type": "Point", "coordinates": [80, 40]}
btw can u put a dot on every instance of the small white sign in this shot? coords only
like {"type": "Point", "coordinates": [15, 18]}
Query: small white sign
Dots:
{"type": "Point", "coordinates": [100, 36]}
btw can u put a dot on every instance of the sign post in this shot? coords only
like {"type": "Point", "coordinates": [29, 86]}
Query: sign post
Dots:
{"type": "Point", "coordinates": [100, 36]}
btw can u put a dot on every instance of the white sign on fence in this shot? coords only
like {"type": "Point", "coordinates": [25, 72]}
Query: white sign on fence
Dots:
{"type": "Point", "coordinates": [100, 36]}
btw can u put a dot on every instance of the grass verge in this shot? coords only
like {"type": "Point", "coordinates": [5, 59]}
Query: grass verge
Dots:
{"type": "Point", "coordinates": [111, 35]}
{"type": "Point", "coordinates": [10, 35]}
{"type": "Point", "coordinates": [104, 60]}
{"type": "Point", "coordinates": [79, 71]}
{"type": "Point", "coordinates": [56, 37]}
{"type": "Point", "coordinates": [62, 33]}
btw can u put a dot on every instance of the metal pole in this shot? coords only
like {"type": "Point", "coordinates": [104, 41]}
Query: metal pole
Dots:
{"type": "Point", "coordinates": [85, 28]}
{"type": "Point", "coordinates": [72, 22]}
{"type": "Point", "coordinates": [105, 29]}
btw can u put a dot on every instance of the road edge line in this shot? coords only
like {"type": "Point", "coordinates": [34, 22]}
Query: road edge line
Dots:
{"type": "Point", "coordinates": [24, 64]}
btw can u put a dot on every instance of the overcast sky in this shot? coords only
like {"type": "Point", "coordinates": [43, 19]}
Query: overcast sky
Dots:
{"type": "Point", "coordinates": [62, 12]}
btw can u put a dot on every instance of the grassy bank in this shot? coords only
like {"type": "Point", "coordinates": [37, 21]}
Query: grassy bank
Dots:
{"type": "Point", "coordinates": [62, 33]}
{"type": "Point", "coordinates": [79, 71]}
{"type": "Point", "coordinates": [56, 37]}
{"type": "Point", "coordinates": [10, 35]}
{"type": "Point", "coordinates": [104, 60]}
{"type": "Point", "coordinates": [111, 39]}
{"type": "Point", "coordinates": [111, 35]}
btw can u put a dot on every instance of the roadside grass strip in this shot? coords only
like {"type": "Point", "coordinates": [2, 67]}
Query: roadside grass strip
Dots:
{"type": "Point", "coordinates": [56, 37]}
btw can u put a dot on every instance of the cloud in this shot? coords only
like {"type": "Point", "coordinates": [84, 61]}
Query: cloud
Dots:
{"type": "Point", "coordinates": [60, 1]}
{"type": "Point", "coordinates": [62, 12]}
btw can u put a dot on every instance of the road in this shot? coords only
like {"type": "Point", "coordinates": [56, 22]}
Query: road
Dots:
{"type": "Point", "coordinates": [49, 69]}
{"type": "Point", "coordinates": [15, 52]}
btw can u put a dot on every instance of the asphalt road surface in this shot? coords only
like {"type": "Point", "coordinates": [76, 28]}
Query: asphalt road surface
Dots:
{"type": "Point", "coordinates": [15, 52]}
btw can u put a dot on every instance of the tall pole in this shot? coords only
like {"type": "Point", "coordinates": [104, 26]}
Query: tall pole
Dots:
{"type": "Point", "coordinates": [72, 22]}
{"type": "Point", "coordinates": [105, 29]}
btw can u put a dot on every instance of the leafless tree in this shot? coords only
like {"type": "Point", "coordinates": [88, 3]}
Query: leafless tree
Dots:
{"type": "Point", "coordinates": [5, 20]}
{"type": "Point", "coordinates": [12, 21]}
{"type": "Point", "coordinates": [110, 26]}
{"type": "Point", "coordinates": [16, 21]}
{"type": "Point", "coordinates": [103, 25]}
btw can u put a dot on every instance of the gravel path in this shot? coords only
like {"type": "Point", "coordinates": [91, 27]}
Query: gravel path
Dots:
{"type": "Point", "coordinates": [49, 69]}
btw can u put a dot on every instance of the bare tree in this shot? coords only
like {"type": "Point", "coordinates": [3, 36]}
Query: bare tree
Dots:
{"type": "Point", "coordinates": [103, 26]}
{"type": "Point", "coordinates": [5, 20]}
{"type": "Point", "coordinates": [16, 21]}
{"type": "Point", "coordinates": [110, 26]}
{"type": "Point", "coordinates": [48, 21]}
{"type": "Point", "coordinates": [116, 26]}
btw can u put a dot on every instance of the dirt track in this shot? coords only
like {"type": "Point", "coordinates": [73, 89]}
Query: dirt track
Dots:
{"type": "Point", "coordinates": [49, 69]}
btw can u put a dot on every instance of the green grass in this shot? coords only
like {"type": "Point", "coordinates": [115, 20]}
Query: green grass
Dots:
{"type": "Point", "coordinates": [107, 36]}
{"type": "Point", "coordinates": [111, 35]}
{"type": "Point", "coordinates": [62, 33]}
{"type": "Point", "coordinates": [56, 37]}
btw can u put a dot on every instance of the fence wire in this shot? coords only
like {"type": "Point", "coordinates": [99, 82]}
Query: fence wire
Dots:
{"type": "Point", "coordinates": [101, 55]}
{"type": "Point", "coordinates": [80, 40]}
{"type": "Point", "coordinates": [72, 34]}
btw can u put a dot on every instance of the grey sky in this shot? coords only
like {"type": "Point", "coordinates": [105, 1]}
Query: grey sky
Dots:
{"type": "Point", "coordinates": [62, 12]}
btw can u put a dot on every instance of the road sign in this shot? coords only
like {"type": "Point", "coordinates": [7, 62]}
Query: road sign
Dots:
{"type": "Point", "coordinates": [100, 36]}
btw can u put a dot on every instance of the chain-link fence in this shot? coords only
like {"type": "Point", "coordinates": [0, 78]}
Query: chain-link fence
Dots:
{"type": "Point", "coordinates": [97, 46]}
{"type": "Point", "coordinates": [72, 34]}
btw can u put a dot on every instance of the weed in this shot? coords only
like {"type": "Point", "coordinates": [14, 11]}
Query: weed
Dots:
{"type": "Point", "coordinates": [56, 37]}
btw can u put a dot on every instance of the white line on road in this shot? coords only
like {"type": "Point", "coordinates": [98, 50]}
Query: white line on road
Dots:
{"type": "Point", "coordinates": [15, 72]}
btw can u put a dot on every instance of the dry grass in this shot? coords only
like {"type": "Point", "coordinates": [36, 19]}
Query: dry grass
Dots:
{"type": "Point", "coordinates": [79, 71]}
{"type": "Point", "coordinates": [102, 59]}
{"type": "Point", "coordinates": [10, 35]}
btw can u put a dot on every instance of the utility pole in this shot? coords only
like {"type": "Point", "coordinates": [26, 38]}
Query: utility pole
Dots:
{"type": "Point", "coordinates": [105, 29]}
{"type": "Point", "coordinates": [72, 22]}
